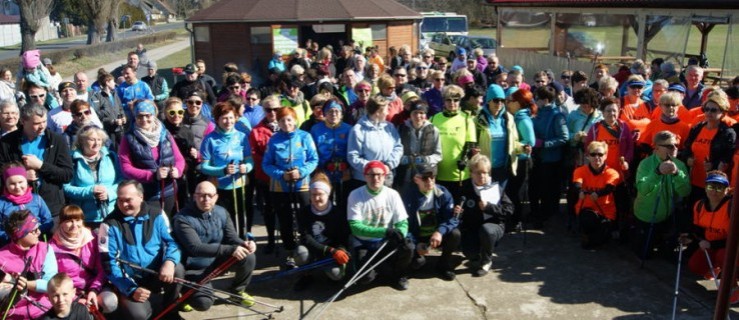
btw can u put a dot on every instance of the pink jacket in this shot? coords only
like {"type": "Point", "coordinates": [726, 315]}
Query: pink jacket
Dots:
{"type": "Point", "coordinates": [43, 266]}
{"type": "Point", "coordinates": [85, 268]}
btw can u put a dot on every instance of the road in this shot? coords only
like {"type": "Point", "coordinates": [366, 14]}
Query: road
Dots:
{"type": "Point", "coordinates": [81, 40]}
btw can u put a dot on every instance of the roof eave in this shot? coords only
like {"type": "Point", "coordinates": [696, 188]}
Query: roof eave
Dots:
{"type": "Point", "coordinates": [301, 21]}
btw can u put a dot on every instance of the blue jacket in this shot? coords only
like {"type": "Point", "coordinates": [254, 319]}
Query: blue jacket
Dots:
{"type": "Point", "coordinates": [79, 190]}
{"type": "Point", "coordinates": [443, 205]}
{"type": "Point", "coordinates": [368, 141]}
{"type": "Point", "coordinates": [143, 240]}
{"type": "Point", "coordinates": [525, 128]}
{"type": "Point", "coordinates": [289, 150]}
{"type": "Point", "coordinates": [330, 142]}
{"type": "Point", "coordinates": [221, 148]}
{"type": "Point", "coordinates": [550, 126]}
{"type": "Point", "coordinates": [37, 206]}
{"type": "Point", "coordinates": [579, 121]}
{"type": "Point", "coordinates": [204, 236]}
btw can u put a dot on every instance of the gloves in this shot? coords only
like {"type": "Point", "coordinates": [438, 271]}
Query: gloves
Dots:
{"type": "Point", "coordinates": [393, 236]}
{"type": "Point", "coordinates": [404, 160]}
{"type": "Point", "coordinates": [461, 165]}
{"type": "Point", "coordinates": [419, 160]}
{"type": "Point", "coordinates": [340, 256]}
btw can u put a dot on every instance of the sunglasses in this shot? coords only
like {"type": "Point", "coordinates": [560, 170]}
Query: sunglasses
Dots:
{"type": "Point", "coordinates": [400, 75]}
{"type": "Point", "coordinates": [180, 112]}
{"type": "Point", "coordinates": [195, 102]}
{"type": "Point", "coordinates": [234, 87]}
{"type": "Point", "coordinates": [439, 79]}
{"type": "Point", "coordinates": [715, 188]}
{"type": "Point", "coordinates": [669, 146]}
{"type": "Point", "coordinates": [268, 110]}
{"type": "Point", "coordinates": [597, 154]}
{"type": "Point", "coordinates": [37, 96]}
{"type": "Point", "coordinates": [497, 100]}
{"type": "Point", "coordinates": [453, 100]}
{"type": "Point", "coordinates": [83, 113]}
{"type": "Point", "coordinates": [421, 68]}
{"type": "Point", "coordinates": [636, 87]}
{"type": "Point", "coordinates": [711, 110]}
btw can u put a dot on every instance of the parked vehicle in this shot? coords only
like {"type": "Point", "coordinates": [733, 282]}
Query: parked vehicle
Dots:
{"type": "Point", "coordinates": [446, 45]}
{"type": "Point", "coordinates": [438, 22]}
{"type": "Point", "coordinates": [139, 26]}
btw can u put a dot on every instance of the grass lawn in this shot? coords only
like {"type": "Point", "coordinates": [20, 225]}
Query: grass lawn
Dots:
{"type": "Point", "coordinates": [175, 60]}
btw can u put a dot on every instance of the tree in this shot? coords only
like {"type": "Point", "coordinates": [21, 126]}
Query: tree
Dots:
{"type": "Point", "coordinates": [99, 12]}
{"type": "Point", "coordinates": [113, 21]}
{"type": "Point", "coordinates": [32, 11]}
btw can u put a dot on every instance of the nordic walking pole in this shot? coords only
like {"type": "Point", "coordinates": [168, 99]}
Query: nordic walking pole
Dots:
{"type": "Point", "coordinates": [244, 203]}
{"type": "Point", "coordinates": [677, 279]}
{"type": "Point", "coordinates": [307, 267]}
{"type": "Point", "coordinates": [710, 266]}
{"type": "Point", "coordinates": [236, 201]}
{"type": "Point", "coordinates": [651, 224]}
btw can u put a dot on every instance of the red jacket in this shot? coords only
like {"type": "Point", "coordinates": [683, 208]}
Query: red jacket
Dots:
{"type": "Point", "coordinates": [258, 141]}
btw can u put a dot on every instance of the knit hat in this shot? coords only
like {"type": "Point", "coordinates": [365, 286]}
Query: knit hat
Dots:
{"type": "Point", "coordinates": [408, 95]}
{"type": "Point", "coordinates": [427, 171]}
{"type": "Point", "coordinates": [152, 65]}
{"type": "Point", "coordinates": [375, 164]}
{"type": "Point", "coordinates": [418, 105]}
{"type": "Point", "coordinates": [494, 92]}
{"type": "Point", "coordinates": [64, 85]}
{"type": "Point", "coordinates": [31, 59]}
{"type": "Point", "coordinates": [558, 87]}
{"type": "Point", "coordinates": [517, 67]}
{"type": "Point", "coordinates": [144, 107]}
{"type": "Point", "coordinates": [463, 80]}
{"type": "Point", "coordinates": [510, 90]}
{"type": "Point", "coordinates": [47, 61]}
{"type": "Point", "coordinates": [14, 171]}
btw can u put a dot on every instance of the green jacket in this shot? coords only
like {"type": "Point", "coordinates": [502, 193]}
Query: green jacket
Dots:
{"type": "Point", "coordinates": [656, 193]}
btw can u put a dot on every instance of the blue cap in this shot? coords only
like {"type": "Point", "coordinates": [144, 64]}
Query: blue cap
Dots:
{"type": "Point", "coordinates": [558, 87]}
{"type": "Point", "coordinates": [510, 90]}
{"type": "Point", "coordinates": [517, 67]}
{"type": "Point", "coordinates": [676, 87]}
{"type": "Point", "coordinates": [494, 92]}
{"type": "Point", "coordinates": [717, 178]}
{"type": "Point", "coordinates": [461, 51]}
{"type": "Point", "coordinates": [636, 83]}
{"type": "Point", "coordinates": [145, 106]}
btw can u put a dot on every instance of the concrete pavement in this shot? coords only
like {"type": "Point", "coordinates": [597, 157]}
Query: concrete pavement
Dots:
{"type": "Point", "coordinates": [549, 277]}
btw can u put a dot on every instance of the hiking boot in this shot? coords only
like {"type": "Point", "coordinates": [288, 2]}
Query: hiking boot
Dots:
{"type": "Point", "coordinates": [290, 263]}
{"type": "Point", "coordinates": [446, 274]}
{"type": "Point", "coordinates": [303, 283]}
{"type": "Point", "coordinates": [245, 299]}
{"type": "Point", "coordinates": [402, 284]}
{"type": "Point", "coordinates": [186, 307]}
{"type": "Point", "coordinates": [484, 269]}
{"type": "Point", "coordinates": [369, 277]}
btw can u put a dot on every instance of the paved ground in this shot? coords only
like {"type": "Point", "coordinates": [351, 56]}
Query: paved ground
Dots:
{"type": "Point", "coordinates": [549, 277]}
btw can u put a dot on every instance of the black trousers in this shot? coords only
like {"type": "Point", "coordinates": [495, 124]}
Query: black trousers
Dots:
{"type": "Point", "coordinates": [545, 188]}
{"type": "Point", "coordinates": [143, 310]}
{"type": "Point", "coordinates": [286, 205]}
{"type": "Point", "coordinates": [243, 269]}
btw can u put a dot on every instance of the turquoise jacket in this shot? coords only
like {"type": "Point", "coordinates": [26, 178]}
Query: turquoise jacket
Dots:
{"type": "Point", "coordinates": [218, 150]}
{"type": "Point", "coordinates": [79, 190]}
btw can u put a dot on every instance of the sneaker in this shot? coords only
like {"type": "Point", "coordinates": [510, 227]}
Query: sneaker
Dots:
{"type": "Point", "coordinates": [484, 269]}
{"type": "Point", "coordinates": [186, 307]}
{"type": "Point", "coordinates": [290, 263]}
{"type": "Point", "coordinates": [245, 299]}
{"type": "Point", "coordinates": [402, 284]}
{"type": "Point", "coordinates": [734, 298]}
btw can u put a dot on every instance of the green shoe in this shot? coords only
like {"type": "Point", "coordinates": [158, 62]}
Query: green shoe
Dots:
{"type": "Point", "coordinates": [186, 308]}
{"type": "Point", "coordinates": [246, 300]}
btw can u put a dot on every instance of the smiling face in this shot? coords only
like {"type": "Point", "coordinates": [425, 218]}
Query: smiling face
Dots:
{"type": "Point", "coordinates": [91, 144]}
{"type": "Point", "coordinates": [375, 178]}
{"type": "Point", "coordinates": [62, 297]}
{"type": "Point", "coordinates": [610, 113]}
{"type": "Point", "coordinates": [129, 200]}
{"type": "Point", "coordinates": [9, 117]}
{"type": "Point", "coordinates": [174, 114]}
{"type": "Point", "coordinates": [287, 123]}
{"type": "Point", "coordinates": [71, 227]}
{"type": "Point", "coordinates": [194, 105]}
{"type": "Point", "coordinates": [145, 120]}
{"type": "Point", "coordinates": [227, 121]}
{"type": "Point", "coordinates": [16, 185]}
{"type": "Point", "coordinates": [319, 198]}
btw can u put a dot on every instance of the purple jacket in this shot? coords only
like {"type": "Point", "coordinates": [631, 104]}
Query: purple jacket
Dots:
{"type": "Point", "coordinates": [85, 267]}
{"type": "Point", "coordinates": [626, 139]}
{"type": "Point", "coordinates": [43, 267]}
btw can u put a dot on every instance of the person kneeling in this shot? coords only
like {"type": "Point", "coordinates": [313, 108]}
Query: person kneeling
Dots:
{"type": "Point", "coordinates": [324, 233]}
{"type": "Point", "coordinates": [377, 216]}
{"type": "Point", "coordinates": [435, 223]}
{"type": "Point", "coordinates": [208, 238]}
{"type": "Point", "coordinates": [596, 208]}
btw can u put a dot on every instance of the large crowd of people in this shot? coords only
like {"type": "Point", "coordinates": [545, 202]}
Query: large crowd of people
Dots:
{"type": "Point", "coordinates": [138, 186]}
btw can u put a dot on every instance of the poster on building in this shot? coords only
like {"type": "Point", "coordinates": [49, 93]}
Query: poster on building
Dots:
{"type": "Point", "coordinates": [362, 36]}
{"type": "Point", "coordinates": [285, 40]}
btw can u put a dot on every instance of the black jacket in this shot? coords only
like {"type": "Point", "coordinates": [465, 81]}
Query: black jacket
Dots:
{"type": "Point", "coordinates": [56, 170]}
{"type": "Point", "coordinates": [722, 144]}
{"type": "Point", "coordinates": [472, 217]}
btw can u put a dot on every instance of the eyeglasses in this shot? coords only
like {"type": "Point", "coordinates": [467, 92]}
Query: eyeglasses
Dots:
{"type": "Point", "coordinates": [83, 113]}
{"type": "Point", "coordinates": [421, 68]}
{"type": "Point", "coordinates": [711, 110]}
{"type": "Point", "coordinates": [715, 188]}
{"type": "Point", "coordinates": [400, 75]}
{"type": "Point", "coordinates": [234, 87]}
{"type": "Point", "coordinates": [37, 96]}
{"type": "Point", "coordinates": [636, 87]}
{"type": "Point", "coordinates": [497, 100]}
{"type": "Point", "coordinates": [180, 112]}
{"type": "Point", "coordinates": [439, 79]}
{"type": "Point", "coordinates": [597, 154]}
{"type": "Point", "coordinates": [195, 102]}
{"type": "Point", "coordinates": [206, 195]}
{"type": "Point", "coordinates": [144, 116]}
{"type": "Point", "coordinates": [669, 146]}
{"type": "Point", "coordinates": [268, 110]}
{"type": "Point", "coordinates": [565, 77]}
{"type": "Point", "coordinates": [452, 100]}
{"type": "Point", "coordinates": [375, 175]}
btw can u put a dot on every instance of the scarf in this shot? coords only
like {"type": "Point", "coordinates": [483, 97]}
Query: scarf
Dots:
{"type": "Point", "coordinates": [150, 137]}
{"type": "Point", "coordinates": [92, 161]}
{"type": "Point", "coordinates": [274, 126]}
{"type": "Point", "coordinates": [71, 242]}
{"type": "Point", "coordinates": [19, 200]}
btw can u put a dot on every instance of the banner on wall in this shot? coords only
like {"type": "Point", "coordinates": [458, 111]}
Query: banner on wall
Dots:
{"type": "Point", "coordinates": [285, 40]}
{"type": "Point", "coordinates": [362, 36]}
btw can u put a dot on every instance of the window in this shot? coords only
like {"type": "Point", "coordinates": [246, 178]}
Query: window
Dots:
{"type": "Point", "coordinates": [202, 34]}
{"type": "Point", "coordinates": [261, 35]}
{"type": "Point", "coordinates": [379, 31]}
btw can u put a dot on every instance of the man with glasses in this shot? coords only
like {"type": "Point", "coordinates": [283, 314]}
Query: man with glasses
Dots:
{"type": "Point", "coordinates": [400, 75]}
{"type": "Point", "coordinates": [61, 116]}
{"type": "Point", "coordinates": [427, 57]}
{"type": "Point", "coordinates": [346, 90]}
{"type": "Point", "coordinates": [208, 239]}
{"type": "Point", "coordinates": [253, 113]}
{"type": "Point", "coordinates": [377, 217]}
{"type": "Point", "coordinates": [39, 95]}
{"type": "Point", "coordinates": [479, 78]}
{"type": "Point", "coordinates": [433, 95]}
{"type": "Point", "coordinates": [662, 182]}
{"type": "Point", "coordinates": [157, 84]}
{"type": "Point", "coordinates": [422, 81]}
{"type": "Point", "coordinates": [191, 83]}
{"type": "Point", "coordinates": [493, 69]}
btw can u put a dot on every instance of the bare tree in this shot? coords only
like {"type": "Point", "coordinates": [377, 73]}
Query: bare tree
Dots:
{"type": "Point", "coordinates": [32, 11]}
{"type": "Point", "coordinates": [98, 12]}
{"type": "Point", "coordinates": [113, 21]}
